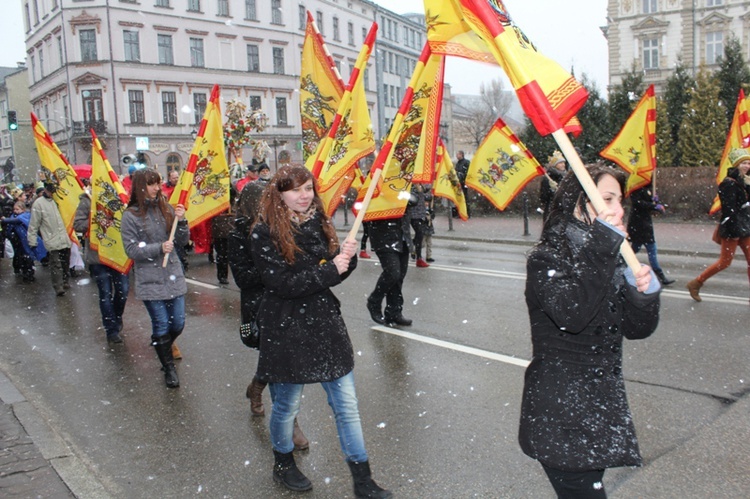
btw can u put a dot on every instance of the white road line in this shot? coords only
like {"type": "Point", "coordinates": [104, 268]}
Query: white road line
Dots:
{"type": "Point", "coordinates": [201, 284]}
{"type": "Point", "coordinates": [453, 346]}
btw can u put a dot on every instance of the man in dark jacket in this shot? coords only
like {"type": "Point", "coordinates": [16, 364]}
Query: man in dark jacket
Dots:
{"type": "Point", "coordinates": [641, 228]}
{"type": "Point", "coordinates": [462, 169]}
{"type": "Point", "coordinates": [390, 239]}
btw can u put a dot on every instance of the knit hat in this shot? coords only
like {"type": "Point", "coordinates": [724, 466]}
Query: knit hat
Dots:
{"type": "Point", "coordinates": [556, 158]}
{"type": "Point", "coordinates": [16, 193]}
{"type": "Point", "coordinates": [263, 166]}
{"type": "Point", "coordinates": [737, 156]}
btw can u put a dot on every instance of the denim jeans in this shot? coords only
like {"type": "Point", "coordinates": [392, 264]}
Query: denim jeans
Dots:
{"type": "Point", "coordinates": [342, 399]}
{"type": "Point", "coordinates": [167, 317]}
{"type": "Point", "coordinates": [113, 293]}
{"type": "Point", "coordinates": [651, 251]}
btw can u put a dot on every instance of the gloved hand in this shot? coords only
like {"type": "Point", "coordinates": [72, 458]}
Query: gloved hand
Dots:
{"type": "Point", "coordinates": [659, 207]}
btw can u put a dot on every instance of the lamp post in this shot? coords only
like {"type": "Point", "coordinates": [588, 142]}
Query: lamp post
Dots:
{"type": "Point", "coordinates": [193, 134]}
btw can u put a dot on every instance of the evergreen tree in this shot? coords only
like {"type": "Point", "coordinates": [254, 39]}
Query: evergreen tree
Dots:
{"type": "Point", "coordinates": [664, 149]}
{"type": "Point", "coordinates": [540, 147]}
{"type": "Point", "coordinates": [733, 74]}
{"type": "Point", "coordinates": [704, 127]}
{"type": "Point", "coordinates": [594, 117]}
{"type": "Point", "coordinates": [677, 99]}
{"type": "Point", "coordinates": [623, 98]}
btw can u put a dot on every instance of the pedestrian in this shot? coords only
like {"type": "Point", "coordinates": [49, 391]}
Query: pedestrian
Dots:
{"type": "Point", "coordinates": [553, 174]}
{"type": "Point", "coordinates": [303, 336]}
{"type": "Point", "coordinates": [416, 211]}
{"type": "Point", "coordinates": [16, 230]}
{"type": "Point", "coordinates": [146, 225]}
{"type": "Point", "coordinates": [391, 241]}
{"type": "Point", "coordinates": [734, 228]}
{"type": "Point", "coordinates": [430, 227]}
{"type": "Point", "coordinates": [46, 220]}
{"type": "Point", "coordinates": [641, 228]}
{"type": "Point", "coordinates": [247, 278]}
{"type": "Point", "coordinates": [582, 301]}
{"type": "Point", "coordinates": [113, 285]}
{"type": "Point", "coordinates": [173, 177]}
{"type": "Point", "coordinates": [363, 243]}
{"type": "Point", "coordinates": [251, 175]}
{"type": "Point", "coordinates": [462, 170]}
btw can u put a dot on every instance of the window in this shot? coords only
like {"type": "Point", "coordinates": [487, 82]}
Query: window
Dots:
{"type": "Point", "coordinates": [199, 107]}
{"type": "Point", "coordinates": [350, 33]}
{"type": "Point", "coordinates": [714, 3]}
{"type": "Point", "coordinates": [390, 63]}
{"type": "Point", "coordinates": [319, 22]}
{"type": "Point", "coordinates": [276, 17]}
{"type": "Point", "coordinates": [137, 115]}
{"type": "Point", "coordinates": [714, 47]}
{"type": "Point", "coordinates": [336, 29]}
{"type": "Point", "coordinates": [366, 76]}
{"type": "Point", "coordinates": [196, 53]}
{"type": "Point", "coordinates": [92, 105]}
{"type": "Point", "coordinates": [36, 12]}
{"type": "Point", "coordinates": [281, 111]}
{"type": "Point", "coordinates": [33, 68]}
{"type": "Point", "coordinates": [132, 46]}
{"type": "Point", "coordinates": [162, 3]}
{"type": "Point", "coordinates": [60, 50]}
{"type": "Point", "coordinates": [364, 34]}
{"type": "Point", "coordinates": [88, 44]}
{"type": "Point", "coordinates": [28, 17]}
{"type": "Point", "coordinates": [250, 12]}
{"type": "Point", "coordinates": [174, 163]}
{"type": "Point", "coordinates": [278, 60]}
{"type": "Point", "coordinates": [254, 102]}
{"type": "Point", "coordinates": [651, 53]}
{"type": "Point", "coordinates": [166, 54]}
{"type": "Point", "coordinates": [169, 107]}
{"type": "Point", "coordinates": [222, 8]}
{"type": "Point", "coordinates": [41, 62]}
{"type": "Point", "coordinates": [302, 17]}
{"type": "Point", "coordinates": [6, 139]}
{"type": "Point", "coordinates": [253, 59]}
{"type": "Point", "coordinates": [385, 93]}
{"type": "Point", "coordinates": [194, 5]}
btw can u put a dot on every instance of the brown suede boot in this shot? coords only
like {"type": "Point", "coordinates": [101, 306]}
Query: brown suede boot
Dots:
{"type": "Point", "coordinates": [693, 287]}
{"type": "Point", "coordinates": [300, 440]}
{"type": "Point", "coordinates": [255, 394]}
{"type": "Point", "coordinates": [176, 351]}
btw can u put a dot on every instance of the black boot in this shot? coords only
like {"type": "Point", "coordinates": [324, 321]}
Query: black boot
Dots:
{"type": "Point", "coordinates": [663, 278]}
{"type": "Point", "coordinates": [163, 347]}
{"type": "Point", "coordinates": [364, 485]}
{"type": "Point", "coordinates": [286, 473]}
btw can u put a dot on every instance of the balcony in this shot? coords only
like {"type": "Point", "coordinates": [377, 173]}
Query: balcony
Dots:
{"type": "Point", "coordinates": [83, 127]}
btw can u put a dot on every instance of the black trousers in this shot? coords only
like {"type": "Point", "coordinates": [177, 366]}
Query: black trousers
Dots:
{"type": "Point", "coordinates": [577, 484]}
{"type": "Point", "coordinates": [390, 282]}
{"type": "Point", "coordinates": [418, 224]}
{"type": "Point", "coordinates": [365, 235]}
{"type": "Point", "coordinates": [222, 258]}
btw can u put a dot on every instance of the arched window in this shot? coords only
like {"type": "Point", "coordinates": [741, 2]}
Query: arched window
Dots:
{"type": "Point", "coordinates": [174, 162]}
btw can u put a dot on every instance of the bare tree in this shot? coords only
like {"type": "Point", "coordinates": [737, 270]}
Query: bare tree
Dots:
{"type": "Point", "coordinates": [474, 117]}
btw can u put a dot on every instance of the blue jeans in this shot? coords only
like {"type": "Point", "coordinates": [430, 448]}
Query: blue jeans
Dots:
{"type": "Point", "coordinates": [113, 293]}
{"type": "Point", "coordinates": [651, 251]}
{"type": "Point", "coordinates": [342, 399]}
{"type": "Point", "coordinates": [167, 317]}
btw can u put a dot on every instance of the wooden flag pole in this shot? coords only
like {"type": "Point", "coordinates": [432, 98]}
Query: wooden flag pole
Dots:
{"type": "Point", "coordinates": [365, 203]}
{"type": "Point", "coordinates": [171, 238]}
{"type": "Point", "coordinates": [566, 146]}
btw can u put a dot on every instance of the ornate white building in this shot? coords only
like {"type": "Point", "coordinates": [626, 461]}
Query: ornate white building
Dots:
{"type": "Point", "coordinates": [653, 34]}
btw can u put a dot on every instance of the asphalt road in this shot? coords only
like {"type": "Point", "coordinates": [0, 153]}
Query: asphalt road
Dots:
{"type": "Point", "coordinates": [439, 400]}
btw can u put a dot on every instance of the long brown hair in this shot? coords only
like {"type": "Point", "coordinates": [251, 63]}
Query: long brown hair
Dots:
{"type": "Point", "coordinates": [275, 213]}
{"type": "Point", "coordinates": [139, 203]}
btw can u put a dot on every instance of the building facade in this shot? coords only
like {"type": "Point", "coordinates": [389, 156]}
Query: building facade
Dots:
{"type": "Point", "coordinates": [131, 69]}
{"type": "Point", "coordinates": [652, 35]}
{"type": "Point", "coordinates": [18, 157]}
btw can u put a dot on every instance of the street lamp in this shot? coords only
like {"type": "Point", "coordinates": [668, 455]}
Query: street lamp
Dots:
{"type": "Point", "coordinates": [193, 134]}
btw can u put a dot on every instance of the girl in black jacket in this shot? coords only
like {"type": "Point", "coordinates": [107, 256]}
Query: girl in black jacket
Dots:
{"type": "Point", "coordinates": [582, 301]}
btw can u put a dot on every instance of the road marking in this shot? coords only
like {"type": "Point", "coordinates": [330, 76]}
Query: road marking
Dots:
{"type": "Point", "coordinates": [454, 346]}
{"type": "Point", "coordinates": [201, 284]}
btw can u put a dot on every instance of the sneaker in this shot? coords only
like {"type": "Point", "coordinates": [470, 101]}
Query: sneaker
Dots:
{"type": "Point", "coordinates": [422, 264]}
{"type": "Point", "coordinates": [364, 254]}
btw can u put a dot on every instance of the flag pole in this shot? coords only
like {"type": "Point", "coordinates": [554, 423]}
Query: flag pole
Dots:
{"type": "Point", "coordinates": [566, 146]}
{"type": "Point", "coordinates": [365, 203]}
{"type": "Point", "coordinates": [171, 238]}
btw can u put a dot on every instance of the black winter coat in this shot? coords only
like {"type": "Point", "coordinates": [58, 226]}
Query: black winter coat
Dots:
{"type": "Point", "coordinates": [246, 274]}
{"type": "Point", "coordinates": [303, 338]}
{"type": "Point", "coordinates": [574, 414]}
{"type": "Point", "coordinates": [390, 235]}
{"type": "Point", "coordinates": [640, 224]}
{"type": "Point", "coordinates": [735, 214]}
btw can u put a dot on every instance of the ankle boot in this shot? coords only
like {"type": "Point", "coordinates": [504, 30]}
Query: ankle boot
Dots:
{"type": "Point", "coordinates": [693, 287]}
{"type": "Point", "coordinates": [300, 440]}
{"type": "Point", "coordinates": [176, 354]}
{"type": "Point", "coordinates": [663, 278]}
{"type": "Point", "coordinates": [286, 473]}
{"type": "Point", "coordinates": [163, 347]}
{"type": "Point", "coordinates": [255, 394]}
{"type": "Point", "coordinates": [364, 485]}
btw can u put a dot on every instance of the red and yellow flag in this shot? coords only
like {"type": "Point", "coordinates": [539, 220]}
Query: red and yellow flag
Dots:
{"type": "Point", "coordinates": [549, 95]}
{"type": "Point", "coordinates": [321, 89]}
{"type": "Point", "coordinates": [502, 166]}
{"type": "Point", "coordinates": [350, 136]}
{"type": "Point", "coordinates": [634, 148]}
{"type": "Point", "coordinates": [446, 183]}
{"type": "Point", "coordinates": [203, 188]}
{"type": "Point", "coordinates": [737, 138]}
{"type": "Point", "coordinates": [108, 202]}
{"type": "Point", "coordinates": [57, 170]}
{"type": "Point", "coordinates": [397, 158]}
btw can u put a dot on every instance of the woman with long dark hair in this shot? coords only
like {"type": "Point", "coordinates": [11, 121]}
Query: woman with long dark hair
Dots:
{"type": "Point", "coordinates": [303, 336]}
{"type": "Point", "coordinates": [146, 225]}
{"type": "Point", "coordinates": [582, 301]}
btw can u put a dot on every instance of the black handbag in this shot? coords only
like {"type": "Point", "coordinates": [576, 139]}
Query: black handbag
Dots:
{"type": "Point", "coordinates": [250, 334]}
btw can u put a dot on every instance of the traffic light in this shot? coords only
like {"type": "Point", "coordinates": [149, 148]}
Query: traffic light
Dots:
{"type": "Point", "coordinates": [12, 121]}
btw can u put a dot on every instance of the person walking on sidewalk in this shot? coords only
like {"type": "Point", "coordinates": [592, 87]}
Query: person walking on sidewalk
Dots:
{"type": "Point", "coordinates": [641, 228]}
{"type": "Point", "coordinates": [146, 226]}
{"type": "Point", "coordinates": [391, 241]}
{"type": "Point", "coordinates": [416, 211]}
{"type": "Point", "coordinates": [303, 336]}
{"type": "Point", "coordinates": [734, 228]}
{"type": "Point", "coordinates": [46, 220]}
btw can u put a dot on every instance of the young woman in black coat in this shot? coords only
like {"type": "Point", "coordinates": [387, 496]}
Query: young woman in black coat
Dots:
{"type": "Point", "coordinates": [303, 336]}
{"type": "Point", "coordinates": [582, 301]}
